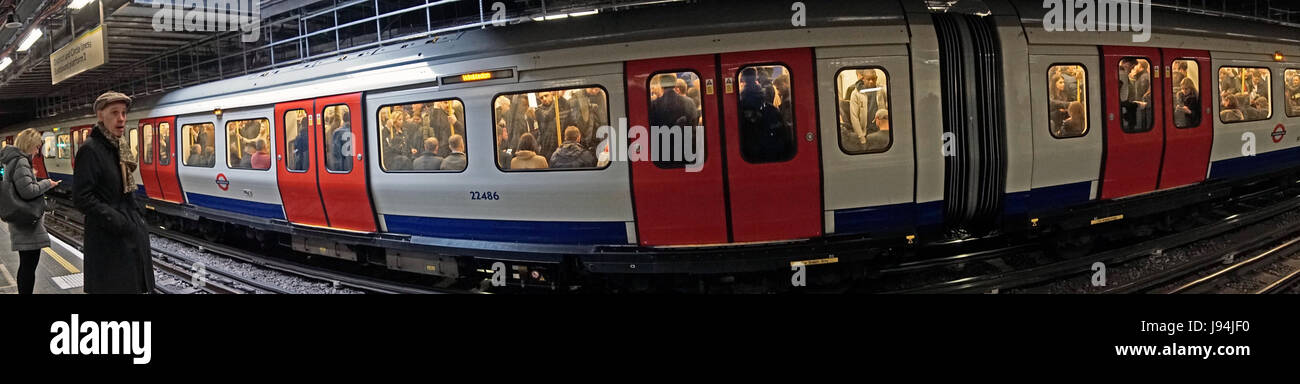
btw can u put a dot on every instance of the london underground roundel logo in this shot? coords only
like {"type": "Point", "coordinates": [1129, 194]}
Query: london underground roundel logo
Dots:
{"type": "Point", "coordinates": [222, 182]}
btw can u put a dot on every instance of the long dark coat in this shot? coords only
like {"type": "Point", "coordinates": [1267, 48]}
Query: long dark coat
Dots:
{"type": "Point", "coordinates": [116, 242]}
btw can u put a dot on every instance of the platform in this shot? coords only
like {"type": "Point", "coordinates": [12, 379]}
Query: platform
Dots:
{"type": "Point", "coordinates": [59, 270]}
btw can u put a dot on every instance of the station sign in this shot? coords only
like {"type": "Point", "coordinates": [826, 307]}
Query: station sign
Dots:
{"type": "Point", "coordinates": [82, 54]}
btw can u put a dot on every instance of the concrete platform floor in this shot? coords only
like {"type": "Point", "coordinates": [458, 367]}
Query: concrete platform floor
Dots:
{"type": "Point", "coordinates": [60, 264]}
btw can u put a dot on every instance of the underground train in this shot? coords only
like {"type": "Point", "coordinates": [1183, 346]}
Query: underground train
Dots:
{"type": "Point", "coordinates": [866, 125]}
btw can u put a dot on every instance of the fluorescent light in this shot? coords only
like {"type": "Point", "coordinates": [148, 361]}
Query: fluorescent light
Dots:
{"type": "Point", "coordinates": [556, 17]}
{"type": "Point", "coordinates": [5, 63]}
{"type": "Point", "coordinates": [29, 40]}
{"type": "Point", "coordinates": [585, 13]}
{"type": "Point", "coordinates": [77, 4]}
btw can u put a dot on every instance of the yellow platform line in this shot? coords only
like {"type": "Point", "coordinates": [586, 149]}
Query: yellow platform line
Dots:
{"type": "Point", "coordinates": [66, 265]}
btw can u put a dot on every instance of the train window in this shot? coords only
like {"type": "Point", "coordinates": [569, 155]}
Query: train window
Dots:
{"type": "Point", "coordinates": [419, 136]}
{"type": "Point", "coordinates": [65, 142]}
{"type": "Point", "coordinates": [248, 144]}
{"type": "Point", "coordinates": [51, 150]}
{"type": "Point", "coordinates": [135, 141]}
{"type": "Point", "coordinates": [339, 143]}
{"type": "Point", "coordinates": [551, 129]}
{"type": "Point", "coordinates": [1244, 94]}
{"type": "Point", "coordinates": [297, 140]}
{"type": "Point", "coordinates": [1136, 114]}
{"type": "Point", "coordinates": [199, 148]}
{"type": "Point", "coordinates": [164, 144]}
{"type": "Point", "coordinates": [863, 110]}
{"type": "Point", "coordinates": [766, 114]}
{"type": "Point", "coordinates": [1067, 112]}
{"type": "Point", "coordinates": [148, 143]}
{"type": "Point", "coordinates": [1292, 77]}
{"type": "Point", "coordinates": [1187, 95]}
{"type": "Point", "coordinates": [675, 102]}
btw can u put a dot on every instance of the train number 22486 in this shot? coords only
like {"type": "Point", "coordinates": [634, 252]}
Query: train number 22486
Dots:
{"type": "Point", "coordinates": [485, 195]}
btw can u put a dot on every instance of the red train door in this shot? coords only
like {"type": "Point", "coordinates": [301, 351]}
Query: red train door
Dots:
{"type": "Point", "coordinates": [297, 177]}
{"type": "Point", "coordinates": [675, 207]}
{"type": "Point", "coordinates": [1134, 127]}
{"type": "Point", "coordinates": [1189, 132]}
{"type": "Point", "coordinates": [341, 167]}
{"type": "Point", "coordinates": [762, 174]}
{"type": "Point", "coordinates": [148, 160]}
{"type": "Point", "coordinates": [774, 194]}
{"type": "Point", "coordinates": [166, 166]}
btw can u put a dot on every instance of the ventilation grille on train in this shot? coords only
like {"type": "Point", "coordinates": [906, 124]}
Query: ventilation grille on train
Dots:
{"type": "Point", "coordinates": [971, 76]}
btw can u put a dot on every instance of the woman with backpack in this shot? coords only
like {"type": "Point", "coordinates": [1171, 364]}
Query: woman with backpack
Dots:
{"type": "Point", "coordinates": [25, 194]}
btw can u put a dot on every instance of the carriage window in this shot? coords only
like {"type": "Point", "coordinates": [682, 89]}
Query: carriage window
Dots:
{"type": "Point", "coordinates": [423, 136]}
{"type": "Point", "coordinates": [164, 144]}
{"type": "Point", "coordinates": [64, 146]}
{"type": "Point", "coordinates": [51, 150]}
{"type": "Point", "coordinates": [148, 143]}
{"type": "Point", "coordinates": [1067, 99]}
{"type": "Point", "coordinates": [1185, 85]}
{"type": "Point", "coordinates": [135, 142]}
{"type": "Point", "coordinates": [1292, 77]}
{"type": "Point", "coordinates": [1135, 112]}
{"type": "Point", "coordinates": [766, 114]}
{"type": "Point", "coordinates": [1244, 94]}
{"type": "Point", "coordinates": [199, 149]}
{"type": "Point", "coordinates": [248, 144]}
{"type": "Point", "coordinates": [552, 129]}
{"type": "Point", "coordinates": [863, 110]}
{"type": "Point", "coordinates": [675, 102]}
{"type": "Point", "coordinates": [297, 143]}
{"type": "Point", "coordinates": [339, 143]}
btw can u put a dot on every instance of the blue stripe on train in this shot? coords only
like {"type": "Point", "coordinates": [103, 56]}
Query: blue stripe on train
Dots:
{"type": "Point", "coordinates": [1253, 165]}
{"type": "Point", "coordinates": [60, 177]}
{"type": "Point", "coordinates": [546, 232]}
{"type": "Point", "coordinates": [1048, 198]}
{"type": "Point", "coordinates": [885, 218]}
{"type": "Point", "coordinates": [902, 217]}
{"type": "Point", "coordinates": [251, 208]}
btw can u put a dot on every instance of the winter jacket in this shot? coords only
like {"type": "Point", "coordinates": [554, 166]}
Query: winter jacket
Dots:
{"type": "Point", "coordinates": [116, 241]}
{"type": "Point", "coordinates": [18, 170]}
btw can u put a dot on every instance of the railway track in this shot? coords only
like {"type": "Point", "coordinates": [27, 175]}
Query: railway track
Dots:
{"type": "Point", "coordinates": [1244, 211]}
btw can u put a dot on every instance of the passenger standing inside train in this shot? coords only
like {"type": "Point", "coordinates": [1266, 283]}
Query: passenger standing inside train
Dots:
{"type": "Point", "coordinates": [300, 146]}
{"type": "Point", "coordinates": [573, 154]}
{"type": "Point", "coordinates": [342, 146]}
{"type": "Point", "coordinates": [1142, 89]}
{"type": "Point", "coordinates": [864, 101]}
{"type": "Point", "coordinates": [196, 156]}
{"type": "Point", "coordinates": [526, 156]}
{"type": "Point", "coordinates": [548, 117]}
{"type": "Point", "coordinates": [1188, 113]}
{"type": "Point", "coordinates": [1293, 94]}
{"type": "Point", "coordinates": [261, 159]}
{"type": "Point", "coordinates": [429, 159]}
{"type": "Point", "coordinates": [1059, 102]}
{"type": "Point", "coordinates": [26, 238]}
{"type": "Point", "coordinates": [116, 242]}
{"type": "Point", "coordinates": [456, 160]}
{"type": "Point", "coordinates": [504, 152]}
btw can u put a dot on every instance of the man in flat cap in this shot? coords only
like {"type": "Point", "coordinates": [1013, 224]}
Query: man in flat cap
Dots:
{"type": "Point", "coordinates": [116, 240]}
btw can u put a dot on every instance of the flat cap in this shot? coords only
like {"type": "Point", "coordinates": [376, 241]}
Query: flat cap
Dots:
{"type": "Point", "coordinates": [111, 97]}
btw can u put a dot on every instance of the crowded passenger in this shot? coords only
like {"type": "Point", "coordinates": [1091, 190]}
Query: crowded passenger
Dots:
{"type": "Point", "coordinates": [1187, 107]}
{"type": "Point", "coordinates": [573, 154]}
{"type": "Point", "coordinates": [456, 160]}
{"type": "Point", "coordinates": [503, 145]}
{"type": "Point", "coordinates": [526, 155]}
{"type": "Point", "coordinates": [429, 159]}
{"type": "Point", "coordinates": [1293, 93]}
{"type": "Point", "coordinates": [1244, 94]}
{"type": "Point", "coordinates": [764, 134]}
